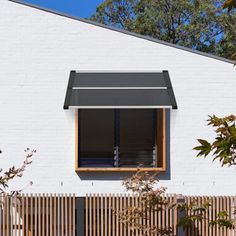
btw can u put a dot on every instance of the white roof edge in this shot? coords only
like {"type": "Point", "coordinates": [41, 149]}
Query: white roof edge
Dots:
{"type": "Point", "coordinates": [118, 71]}
{"type": "Point", "coordinates": [123, 31]}
{"type": "Point", "coordinates": [119, 88]}
{"type": "Point", "coordinates": [120, 107]}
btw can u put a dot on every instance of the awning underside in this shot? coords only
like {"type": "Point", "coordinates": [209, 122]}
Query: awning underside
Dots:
{"type": "Point", "coordinates": [119, 90]}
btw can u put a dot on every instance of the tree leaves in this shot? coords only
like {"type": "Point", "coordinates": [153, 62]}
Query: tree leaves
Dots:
{"type": "Point", "coordinates": [222, 220]}
{"type": "Point", "coordinates": [204, 149]}
{"type": "Point", "coordinates": [151, 199]}
{"type": "Point", "coordinates": [223, 148]}
{"type": "Point", "coordinates": [196, 212]}
{"type": "Point", "coordinates": [142, 184]}
{"type": "Point", "coordinates": [198, 24]}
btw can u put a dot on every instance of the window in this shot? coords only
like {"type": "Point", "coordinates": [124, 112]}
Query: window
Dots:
{"type": "Point", "coordinates": [120, 139]}
{"type": "Point", "coordinates": [120, 119]}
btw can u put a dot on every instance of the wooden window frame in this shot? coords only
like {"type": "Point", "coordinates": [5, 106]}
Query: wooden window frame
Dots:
{"type": "Point", "coordinates": [160, 157]}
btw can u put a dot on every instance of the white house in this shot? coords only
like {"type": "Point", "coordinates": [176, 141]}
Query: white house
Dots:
{"type": "Point", "coordinates": [131, 99]}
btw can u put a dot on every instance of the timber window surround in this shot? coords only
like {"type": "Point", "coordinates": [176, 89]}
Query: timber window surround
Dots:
{"type": "Point", "coordinates": [120, 119]}
{"type": "Point", "coordinates": [121, 139]}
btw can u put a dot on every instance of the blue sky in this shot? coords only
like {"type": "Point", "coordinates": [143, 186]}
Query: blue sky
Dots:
{"type": "Point", "coordinates": [82, 8]}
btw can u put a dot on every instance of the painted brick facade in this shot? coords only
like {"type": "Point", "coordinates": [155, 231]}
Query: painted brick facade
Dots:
{"type": "Point", "coordinates": [37, 52]}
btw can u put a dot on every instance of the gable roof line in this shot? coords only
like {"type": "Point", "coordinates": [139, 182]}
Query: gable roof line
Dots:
{"type": "Point", "coordinates": [123, 31]}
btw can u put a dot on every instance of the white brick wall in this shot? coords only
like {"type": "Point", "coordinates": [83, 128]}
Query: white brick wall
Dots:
{"type": "Point", "coordinates": [37, 52]}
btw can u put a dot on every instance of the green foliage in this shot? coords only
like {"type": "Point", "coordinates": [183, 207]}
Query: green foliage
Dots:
{"type": "Point", "coordinates": [222, 220]}
{"type": "Point", "coordinates": [198, 24]}
{"type": "Point", "coordinates": [223, 148]}
{"type": "Point", "coordinates": [204, 148]}
{"type": "Point", "coordinates": [151, 199]}
{"type": "Point", "coordinates": [196, 212]}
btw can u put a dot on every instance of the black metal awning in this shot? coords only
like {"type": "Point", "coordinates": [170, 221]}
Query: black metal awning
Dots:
{"type": "Point", "coordinates": [119, 90]}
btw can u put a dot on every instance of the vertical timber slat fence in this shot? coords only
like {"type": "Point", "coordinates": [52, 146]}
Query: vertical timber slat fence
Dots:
{"type": "Point", "coordinates": [94, 215]}
{"type": "Point", "coordinates": [37, 215]}
{"type": "Point", "coordinates": [217, 204]}
{"type": "Point", "coordinates": [101, 218]}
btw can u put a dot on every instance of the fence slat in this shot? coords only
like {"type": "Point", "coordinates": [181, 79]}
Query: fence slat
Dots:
{"type": "Point", "coordinates": [40, 216]}
{"type": "Point", "coordinates": [73, 210]}
{"type": "Point", "coordinates": [69, 221]}
{"type": "Point", "coordinates": [109, 215]}
{"type": "Point", "coordinates": [54, 215]}
{"type": "Point", "coordinates": [105, 225]}
{"type": "Point", "coordinates": [117, 220]}
{"type": "Point", "coordinates": [102, 216]}
{"type": "Point", "coordinates": [98, 214]}
{"type": "Point", "coordinates": [31, 232]}
{"type": "Point", "coordinates": [36, 215]}
{"type": "Point", "coordinates": [128, 205]}
{"type": "Point", "coordinates": [3, 214]}
{"type": "Point", "coordinates": [120, 209]}
{"type": "Point", "coordinates": [19, 216]}
{"type": "Point", "coordinates": [113, 217]}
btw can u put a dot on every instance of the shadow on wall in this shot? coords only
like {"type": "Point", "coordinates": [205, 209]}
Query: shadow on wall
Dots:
{"type": "Point", "coordinates": [115, 176]}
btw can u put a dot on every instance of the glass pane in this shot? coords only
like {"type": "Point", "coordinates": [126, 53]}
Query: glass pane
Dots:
{"type": "Point", "coordinates": [96, 138]}
{"type": "Point", "coordinates": [137, 138]}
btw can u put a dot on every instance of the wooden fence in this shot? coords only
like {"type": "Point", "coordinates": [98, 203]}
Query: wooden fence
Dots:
{"type": "Point", "coordinates": [37, 215]}
{"type": "Point", "coordinates": [101, 219]}
{"type": "Point", "coordinates": [94, 215]}
{"type": "Point", "coordinates": [218, 204]}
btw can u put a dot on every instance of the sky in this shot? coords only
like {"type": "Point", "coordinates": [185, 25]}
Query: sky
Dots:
{"type": "Point", "coordinates": [81, 8]}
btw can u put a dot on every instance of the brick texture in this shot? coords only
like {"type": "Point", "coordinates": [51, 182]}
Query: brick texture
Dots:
{"type": "Point", "coordinates": [37, 52]}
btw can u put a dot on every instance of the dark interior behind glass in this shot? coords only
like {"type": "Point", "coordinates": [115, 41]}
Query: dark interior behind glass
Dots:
{"type": "Point", "coordinates": [96, 138]}
{"type": "Point", "coordinates": [131, 131]}
{"type": "Point", "coordinates": [137, 138]}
